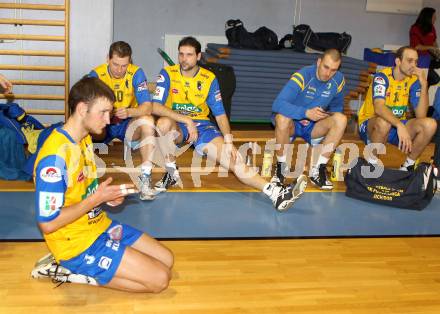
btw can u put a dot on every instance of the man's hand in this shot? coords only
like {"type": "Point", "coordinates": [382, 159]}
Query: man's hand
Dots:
{"type": "Point", "coordinates": [421, 75]}
{"type": "Point", "coordinates": [192, 130]}
{"type": "Point", "coordinates": [114, 194]}
{"type": "Point", "coordinates": [6, 85]}
{"type": "Point", "coordinates": [316, 114]}
{"type": "Point", "coordinates": [405, 141]}
{"type": "Point", "coordinates": [122, 113]}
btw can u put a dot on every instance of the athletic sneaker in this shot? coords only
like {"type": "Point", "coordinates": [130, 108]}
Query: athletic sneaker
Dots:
{"type": "Point", "coordinates": [146, 193]}
{"type": "Point", "coordinates": [280, 170]}
{"type": "Point", "coordinates": [47, 267]}
{"type": "Point", "coordinates": [319, 177]}
{"type": "Point", "coordinates": [283, 197]}
{"type": "Point", "coordinates": [170, 178]}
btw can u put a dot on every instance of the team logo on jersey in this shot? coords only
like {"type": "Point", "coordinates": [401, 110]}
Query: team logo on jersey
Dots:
{"type": "Point", "coordinates": [379, 80]}
{"type": "Point", "coordinates": [50, 174]}
{"type": "Point", "coordinates": [199, 85]}
{"type": "Point", "coordinates": [379, 90]}
{"type": "Point", "coordinates": [175, 91]}
{"type": "Point", "coordinates": [105, 262]}
{"type": "Point", "coordinates": [329, 85]}
{"type": "Point", "coordinates": [115, 232]}
{"type": "Point", "coordinates": [160, 78]}
{"type": "Point", "coordinates": [142, 86]}
{"type": "Point", "coordinates": [158, 94]}
{"type": "Point", "coordinates": [50, 203]}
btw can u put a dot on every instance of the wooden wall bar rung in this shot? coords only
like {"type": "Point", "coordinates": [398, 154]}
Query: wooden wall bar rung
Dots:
{"type": "Point", "coordinates": [32, 96]}
{"type": "Point", "coordinates": [49, 53]}
{"type": "Point", "coordinates": [31, 37]}
{"type": "Point", "coordinates": [32, 67]}
{"type": "Point", "coordinates": [45, 112]}
{"type": "Point", "coordinates": [32, 22]}
{"type": "Point", "coordinates": [38, 82]}
{"type": "Point", "coordinates": [32, 6]}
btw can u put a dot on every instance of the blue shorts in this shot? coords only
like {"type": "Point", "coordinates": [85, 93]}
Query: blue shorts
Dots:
{"type": "Point", "coordinates": [117, 130]}
{"type": "Point", "coordinates": [102, 258]}
{"type": "Point", "coordinates": [303, 129]}
{"type": "Point", "coordinates": [393, 138]}
{"type": "Point", "coordinates": [207, 131]}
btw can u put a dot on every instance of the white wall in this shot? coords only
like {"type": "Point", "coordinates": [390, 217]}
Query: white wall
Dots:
{"type": "Point", "coordinates": [91, 33]}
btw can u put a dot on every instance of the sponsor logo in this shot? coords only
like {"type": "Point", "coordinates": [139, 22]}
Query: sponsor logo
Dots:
{"type": "Point", "coordinates": [304, 122]}
{"type": "Point", "coordinates": [379, 90]}
{"type": "Point", "coordinates": [50, 174]}
{"type": "Point", "coordinates": [175, 91]}
{"type": "Point", "coordinates": [218, 96]}
{"type": "Point", "coordinates": [81, 177]}
{"type": "Point", "coordinates": [50, 203]}
{"type": "Point", "coordinates": [398, 111]}
{"type": "Point", "coordinates": [418, 93]}
{"type": "Point", "coordinates": [115, 233]}
{"type": "Point", "coordinates": [204, 75]}
{"type": "Point", "coordinates": [329, 85]}
{"type": "Point", "coordinates": [160, 78]}
{"type": "Point", "coordinates": [116, 86]}
{"type": "Point", "coordinates": [311, 89]}
{"type": "Point", "coordinates": [379, 80]}
{"type": "Point", "coordinates": [158, 93]}
{"type": "Point", "coordinates": [185, 107]}
{"type": "Point", "coordinates": [89, 259]}
{"type": "Point", "coordinates": [113, 244]}
{"type": "Point", "coordinates": [94, 212]}
{"type": "Point", "coordinates": [187, 84]}
{"type": "Point", "coordinates": [142, 86]}
{"type": "Point", "coordinates": [105, 262]}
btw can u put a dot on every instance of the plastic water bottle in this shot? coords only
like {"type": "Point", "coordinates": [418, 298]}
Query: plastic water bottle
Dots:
{"type": "Point", "coordinates": [266, 168]}
{"type": "Point", "coordinates": [337, 160]}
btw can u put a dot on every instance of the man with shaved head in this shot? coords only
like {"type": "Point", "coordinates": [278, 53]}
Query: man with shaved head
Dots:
{"type": "Point", "coordinates": [310, 106]}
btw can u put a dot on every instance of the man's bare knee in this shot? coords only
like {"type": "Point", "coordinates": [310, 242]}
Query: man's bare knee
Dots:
{"type": "Point", "coordinates": [340, 119]}
{"type": "Point", "coordinates": [381, 126]}
{"type": "Point", "coordinates": [164, 124]}
{"type": "Point", "coordinates": [282, 122]}
{"type": "Point", "coordinates": [161, 281]}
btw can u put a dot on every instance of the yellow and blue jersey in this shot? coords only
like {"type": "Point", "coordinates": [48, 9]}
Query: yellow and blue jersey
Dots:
{"type": "Point", "coordinates": [65, 174]}
{"type": "Point", "coordinates": [130, 91]}
{"type": "Point", "coordinates": [305, 91]}
{"type": "Point", "coordinates": [397, 94]}
{"type": "Point", "coordinates": [194, 96]}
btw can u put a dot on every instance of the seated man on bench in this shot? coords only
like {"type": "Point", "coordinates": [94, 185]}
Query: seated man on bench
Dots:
{"type": "Point", "coordinates": [382, 116]}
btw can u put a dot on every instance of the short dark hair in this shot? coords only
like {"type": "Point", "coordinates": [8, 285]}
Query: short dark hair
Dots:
{"type": "Point", "coordinates": [190, 41]}
{"type": "Point", "coordinates": [121, 49]}
{"type": "Point", "coordinates": [401, 51]}
{"type": "Point", "coordinates": [87, 90]}
{"type": "Point", "coordinates": [334, 54]}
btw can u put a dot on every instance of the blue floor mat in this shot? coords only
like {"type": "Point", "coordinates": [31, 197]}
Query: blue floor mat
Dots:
{"type": "Point", "coordinates": [240, 215]}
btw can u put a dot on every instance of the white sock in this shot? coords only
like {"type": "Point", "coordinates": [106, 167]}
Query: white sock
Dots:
{"type": "Point", "coordinates": [146, 168]}
{"type": "Point", "coordinates": [372, 161]}
{"type": "Point", "coordinates": [171, 164]}
{"type": "Point", "coordinates": [321, 160]}
{"type": "Point", "coordinates": [281, 158]}
{"type": "Point", "coordinates": [408, 162]}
